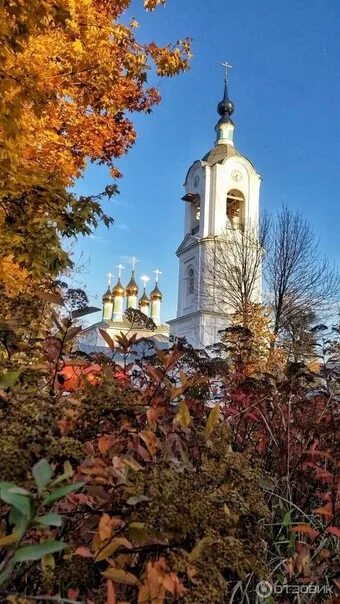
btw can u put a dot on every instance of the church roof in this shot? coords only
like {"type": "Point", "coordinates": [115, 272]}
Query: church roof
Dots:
{"type": "Point", "coordinates": [156, 293]}
{"type": "Point", "coordinates": [107, 296]}
{"type": "Point", "coordinates": [118, 289]}
{"type": "Point", "coordinates": [144, 298]}
{"type": "Point", "coordinates": [132, 287]}
{"type": "Point", "coordinates": [218, 154]}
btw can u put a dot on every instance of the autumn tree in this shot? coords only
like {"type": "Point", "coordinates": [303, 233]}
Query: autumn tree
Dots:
{"type": "Point", "coordinates": [248, 341]}
{"type": "Point", "coordinates": [70, 72]}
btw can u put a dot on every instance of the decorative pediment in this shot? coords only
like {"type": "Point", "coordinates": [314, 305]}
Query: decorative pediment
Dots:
{"type": "Point", "coordinates": [187, 242]}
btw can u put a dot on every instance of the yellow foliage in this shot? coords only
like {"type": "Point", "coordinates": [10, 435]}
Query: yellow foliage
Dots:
{"type": "Point", "coordinates": [151, 4]}
{"type": "Point", "coordinates": [183, 415]}
{"type": "Point", "coordinates": [256, 350]}
{"type": "Point", "coordinates": [13, 277]}
{"type": "Point", "coordinates": [314, 366]}
{"type": "Point", "coordinates": [213, 419]}
{"type": "Point", "coordinates": [69, 74]}
{"type": "Point", "coordinates": [69, 70]}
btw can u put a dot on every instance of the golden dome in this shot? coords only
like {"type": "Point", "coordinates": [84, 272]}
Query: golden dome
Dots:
{"type": "Point", "coordinates": [107, 297]}
{"type": "Point", "coordinates": [144, 300]}
{"type": "Point", "coordinates": [118, 289]}
{"type": "Point", "coordinates": [132, 287]}
{"type": "Point", "coordinates": [156, 293]}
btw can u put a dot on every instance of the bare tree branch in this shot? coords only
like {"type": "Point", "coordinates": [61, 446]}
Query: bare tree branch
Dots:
{"type": "Point", "coordinates": [232, 268]}
{"type": "Point", "coordinates": [299, 280]}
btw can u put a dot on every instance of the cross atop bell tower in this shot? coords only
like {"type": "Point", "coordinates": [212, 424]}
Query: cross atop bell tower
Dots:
{"type": "Point", "coordinates": [226, 66]}
{"type": "Point", "coordinates": [225, 126]}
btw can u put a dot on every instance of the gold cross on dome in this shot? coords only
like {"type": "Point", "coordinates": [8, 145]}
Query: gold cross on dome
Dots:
{"type": "Point", "coordinates": [120, 268]}
{"type": "Point", "coordinates": [226, 66]}
{"type": "Point", "coordinates": [157, 273]}
{"type": "Point", "coordinates": [133, 261]}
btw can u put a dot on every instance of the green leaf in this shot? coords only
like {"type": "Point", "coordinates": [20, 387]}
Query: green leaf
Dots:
{"type": "Point", "coordinates": [68, 473]}
{"type": "Point", "coordinates": [35, 552]}
{"type": "Point", "coordinates": [19, 521]}
{"type": "Point", "coordinates": [7, 572]}
{"type": "Point", "coordinates": [49, 520]}
{"type": "Point", "coordinates": [212, 422]}
{"type": "Point", "coordinates": [42, 473]}
{"type": "Point", "coordinates": [62, 492]}
{"type": "Point", "coordinates": [287, 519]}
{"type": "Point", "coordinates": [9, 494]}
{"type": "Point", "coordinates": [7, 380]}
{"type": "Point", "coordinates": [292, 541]}
{"type": "Point", "coordinates": [19, 491]}
{"type": "Point", "coordinates": [47, 563]}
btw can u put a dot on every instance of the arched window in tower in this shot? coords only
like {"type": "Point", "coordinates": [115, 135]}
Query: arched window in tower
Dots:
{"type": "Point", "coordinates": [235, 210]}
{"type": "Point", "coordinates": [195, 217]}
{"type": "Point", "coordinates": [191, 281]}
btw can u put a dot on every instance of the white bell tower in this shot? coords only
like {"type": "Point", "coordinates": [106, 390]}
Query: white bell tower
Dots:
{"type": "Point", "coordinates": [221, 192]}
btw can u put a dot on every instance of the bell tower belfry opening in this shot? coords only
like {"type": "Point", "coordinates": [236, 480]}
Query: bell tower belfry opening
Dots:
{"type": "Point", "coordinates": [221, 195]}
{"type": "Point", "coordinates": [235, 210]}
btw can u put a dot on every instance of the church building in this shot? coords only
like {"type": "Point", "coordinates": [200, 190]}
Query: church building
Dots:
{"type": "Point", "coordinates": [116, 300]}
{"type": "Point", "coordinates": [221, 195]}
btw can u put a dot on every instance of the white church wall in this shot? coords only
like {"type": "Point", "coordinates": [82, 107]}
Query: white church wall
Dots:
{"type": "Point", "coordinates": [199, 316]}
{"type": "Point", "coordinates": [187, 298]}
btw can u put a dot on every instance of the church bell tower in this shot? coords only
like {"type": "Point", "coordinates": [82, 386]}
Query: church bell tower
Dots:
{"type": "Point", "coordinates": [221, 194]}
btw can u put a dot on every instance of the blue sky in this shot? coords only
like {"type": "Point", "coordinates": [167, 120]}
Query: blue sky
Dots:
{"type": "Point", "coordinates": [285, 84]}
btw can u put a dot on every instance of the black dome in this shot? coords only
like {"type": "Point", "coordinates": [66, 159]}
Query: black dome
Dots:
{"type": "Point", "coordinates": [225, 107]}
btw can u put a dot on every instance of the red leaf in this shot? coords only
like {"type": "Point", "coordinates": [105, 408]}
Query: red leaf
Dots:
{"type": "Point", "coordinates": [153, 373]}
{"type": "Point", "coordinates": [72, 593]}
{"type": "Point", "coordinates": [111, 592]}
{"type": "Point", "coordinates": [306, 529]}
{"type": "Point", "coordinates": [333, 530]}
{"type": "Point", "coordinates": [318, 453]}
{"type": "Point", "coordinates": [323, 475]}
{"type": "Point", "coordinates": [151, 441]}
{"type": "Point", "coordinates": [251, 415]}
{"type": "Point", "coordinates": [82, 551]}
{"type": "Point", "coordinates": [143, 453]}
{"type": "Point", "coordinates": [105, 443]}
{"type": "Point", "coordinates": [326, 510]}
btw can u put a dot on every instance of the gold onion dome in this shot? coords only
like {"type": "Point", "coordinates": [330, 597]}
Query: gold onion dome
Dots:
{"type": "Point", "coordinates": [118, 289]}
{"type": "Point", "coordinates": [156, 293]}
{"type": "Point", "coordinates": [132, 287]}
{"type": "Point", "coordinates": [107, 297]}
{"type": "Point", "coordinates": [144, 300]}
